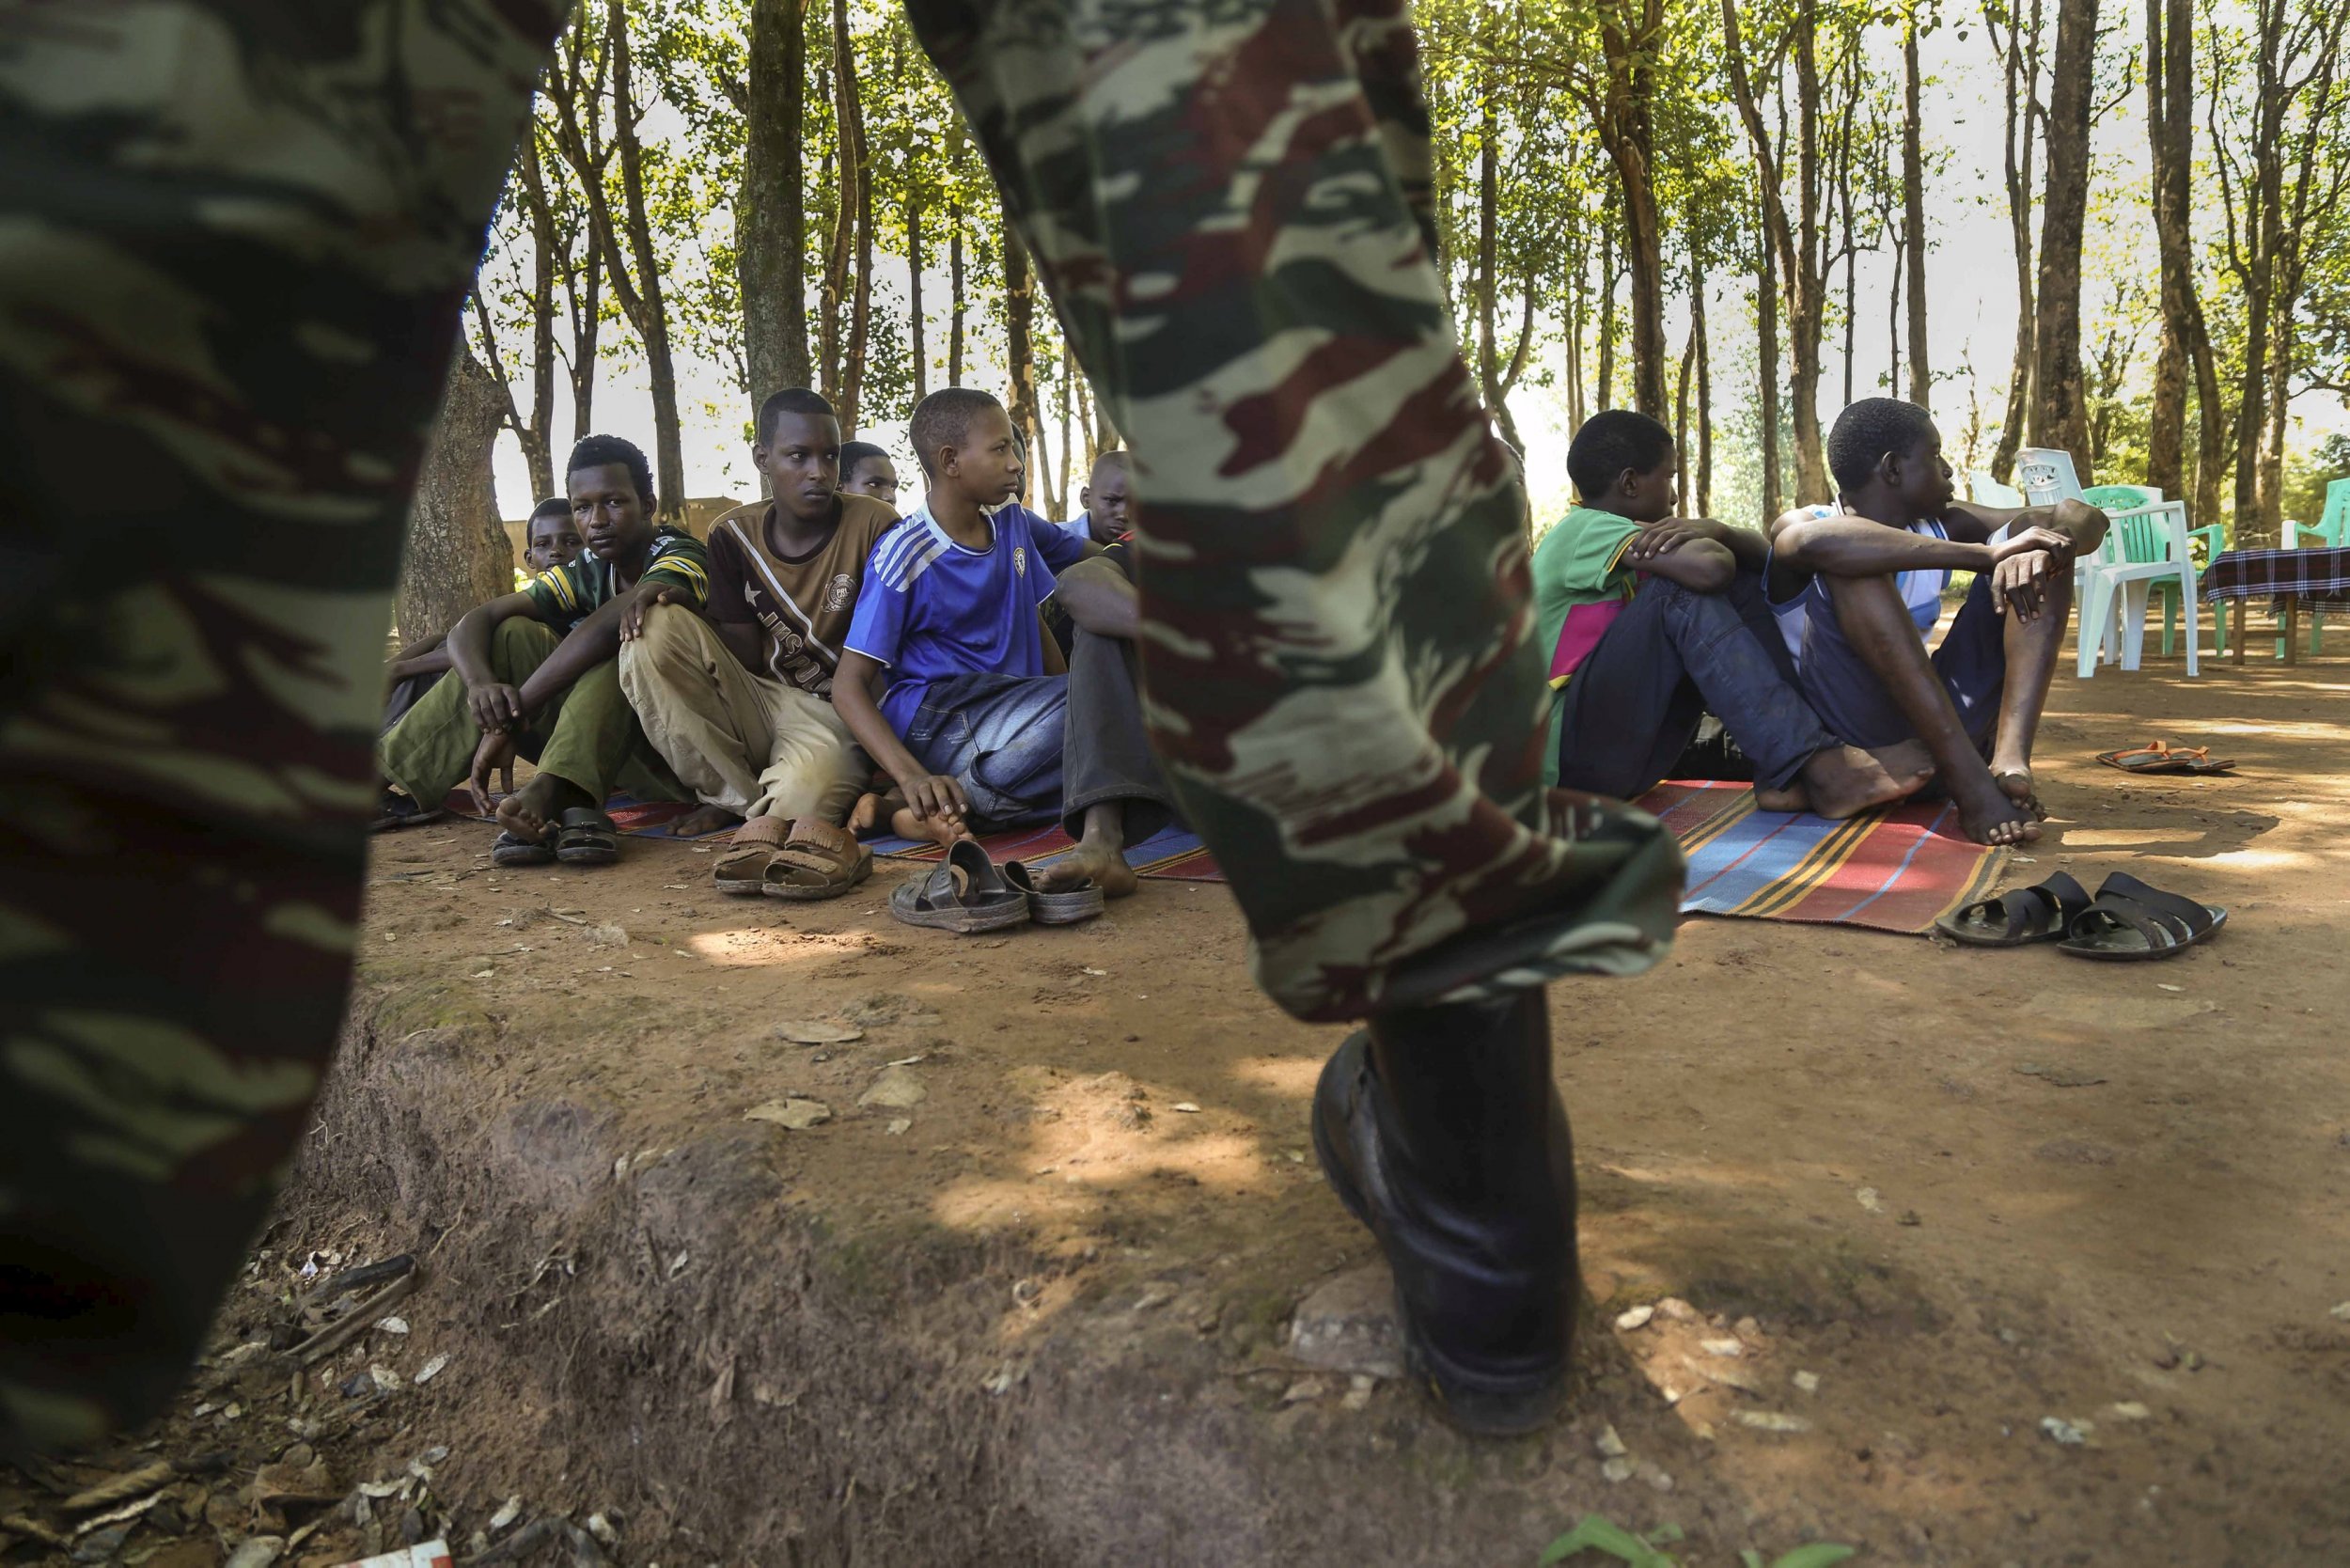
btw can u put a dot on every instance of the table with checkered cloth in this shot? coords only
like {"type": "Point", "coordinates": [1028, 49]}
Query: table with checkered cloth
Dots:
{"type": "Point", "coordinates": [2290, 577]}
{"type": "Point", "coordinates": [2276, 573]}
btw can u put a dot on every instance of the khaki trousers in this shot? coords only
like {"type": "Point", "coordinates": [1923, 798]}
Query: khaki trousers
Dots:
{"type": "Point", "coordinates": [747, 743]}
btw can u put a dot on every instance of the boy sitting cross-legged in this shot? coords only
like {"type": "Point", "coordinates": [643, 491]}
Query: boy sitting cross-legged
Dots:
{"type": "Point", "coordinates": [1655, 620]}
{"type": "Point", "coordinates": [1857, 589]}
{"type": "Point", "coordinates": [537, 675]}
{"type": "Point", "coordinates": [970, 726]}
{"type": "Point", "coordinates": [741, 704]}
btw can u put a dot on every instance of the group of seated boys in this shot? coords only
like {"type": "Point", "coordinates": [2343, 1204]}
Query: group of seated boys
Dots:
{"type": "Point", "coordinates": [824, 666]}
{"type": "Point", "coordinates": [1807, 642]}
{"type": "Point", "coordinates": [820, 666]}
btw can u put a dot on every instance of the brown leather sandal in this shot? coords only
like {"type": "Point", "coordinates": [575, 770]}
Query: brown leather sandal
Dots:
{"type": "Point", "coordinates": [817, 861]}
{"type": "Point", "coordinates": [742, 868]}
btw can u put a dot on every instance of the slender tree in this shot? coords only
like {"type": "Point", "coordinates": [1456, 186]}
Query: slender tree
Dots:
{"type": "Point", "coordinates": [770, 214]}
{"type": "Point", "coordinates": [2060, 412]}
{"type": "Point", "coordinates": [2020, 64]}
{"type": "Point", "coordinates": [1913, 239]}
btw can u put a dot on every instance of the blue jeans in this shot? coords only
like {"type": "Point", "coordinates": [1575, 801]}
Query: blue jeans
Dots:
{"type": "Point", "coordinates": [1000, 737]}
{"type": "Point", "coordinates": [1635, 702]}
{"type": "Point", "coordinates": [1044, 747]}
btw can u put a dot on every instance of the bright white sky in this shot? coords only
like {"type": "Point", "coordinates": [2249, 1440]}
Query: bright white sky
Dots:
{"type": "Point", "coordinates": [1971, 290]}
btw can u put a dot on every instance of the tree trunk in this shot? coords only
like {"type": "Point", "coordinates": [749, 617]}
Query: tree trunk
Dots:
{"type": "Point", "coordinates": [771, 209]}
{"type": "Point", "coordinates": [857, 205]}
{"type": "Point", "coordinates": [641, 296]}
{"type": "Point", "coordinates": [2020, 68]}
{"type": "Point", "coordinates": [955, 293]}
{"type": "Point", "coordinates": [587, 302]}
{"type": "Point", "coordinates": [914, 286]}
{"type": "Point", "coordinates": [1893, 319]}
{"type": "Point", "coordinates": [1020, 348]}
{"type": "Point", "coordinates": [458, 552]}
{"type": "Point", "coordinates": [1607, 312]}
{"type": "Point", "coordinates": [1705, 400]}
{"type": "Point", "coordinates": [1068, 401]}
{"type": "Point", "coordinates": [1576, 411]}
{"type": "Point", "coordinates": [1767, 369]}
{"type": "Point", "coordinates": [535, 431]}
{"type": "Point", "coordinates": [2059, 408]}
{"type": "Point", "coordinates": [1914, 220]}
{"type": "Point", "coordinates": [1681, 423]}
{"type": "Point", "coordinates": [1488, 248]}
{"type": "Point", "coordinates": [1629, 32]}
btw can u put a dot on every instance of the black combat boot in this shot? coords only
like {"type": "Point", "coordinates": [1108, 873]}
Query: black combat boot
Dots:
{"type": "Point", "coordinates": [1440, 1129]}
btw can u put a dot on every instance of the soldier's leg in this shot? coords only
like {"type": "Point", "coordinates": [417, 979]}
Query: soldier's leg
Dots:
{"type": "Point", "coordinates": [1224, 202]}
{"type": "Point", "coordinates": [234, 244]}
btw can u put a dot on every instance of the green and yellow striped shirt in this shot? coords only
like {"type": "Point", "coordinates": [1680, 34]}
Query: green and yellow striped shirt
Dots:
{"type": "Point", "coordinates": [567, 595]}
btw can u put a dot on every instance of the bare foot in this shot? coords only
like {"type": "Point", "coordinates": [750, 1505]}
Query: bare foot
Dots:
{"type": "Point", "coordinates": [875, 807]}
{"type": "Point", "coordinates": [1844, 781]}
{"type": "Point", "coordinates": [701, 820]}
{"type": "Point", "coordinates": [530, 812]}
{"type": "Point", "coordinates": [1996, 818]}
{"type": "Point", "coordinates": [2015, 782]}
{"type": "Point", "coordinates": [1792, 799]}
{"type": "Point", "coordinates": [937, 830]}
{"type": "Point", "coordinates": [1096, 860]}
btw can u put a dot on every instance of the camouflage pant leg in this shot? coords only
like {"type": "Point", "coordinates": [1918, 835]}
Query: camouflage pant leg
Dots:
{"type": "Point", "coordinates": [232, 242]}
{"type": "Point", "coordinates": [1223, 200]}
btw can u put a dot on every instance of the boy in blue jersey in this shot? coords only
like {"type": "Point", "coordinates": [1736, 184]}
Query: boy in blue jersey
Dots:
{"type": "Point", "coordinates": [974, 732]}
{"type": "Point", "coordinates": [1856, 590]}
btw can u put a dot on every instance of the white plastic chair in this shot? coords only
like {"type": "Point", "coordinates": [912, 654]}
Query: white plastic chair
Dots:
{"type": "Point", "coordinates": [2154, 549]}
{"type": "Point", "coordinates": [2143, 546]}
{"type": "Point", "coordinates": [1991, 492]}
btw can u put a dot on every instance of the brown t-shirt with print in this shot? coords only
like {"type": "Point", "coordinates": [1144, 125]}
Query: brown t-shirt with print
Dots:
{"type": "Point", "coordinates": [804, 604]}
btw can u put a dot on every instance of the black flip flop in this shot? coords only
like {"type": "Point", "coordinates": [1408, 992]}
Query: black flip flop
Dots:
{"type": "Point", "coordinates": [1062, 906]}
{"type": "Point", "coordinates": [2023, 918]}
{"type": "Point", "coordinates": [964, 893]}
{"type": "Point", "coordinates": [2130, 922]}
{"type": "Point", "coordinates": [587, 837]}
{"type": "Point", "coordinates": [512, 849]}
{"type": "Point", "coordinates": [396, 810]}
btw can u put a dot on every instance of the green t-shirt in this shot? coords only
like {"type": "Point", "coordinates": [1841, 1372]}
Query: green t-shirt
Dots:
{"type": "Point", "coordinates": [567, 595]}
{"type": "Point", "coordinates": [1580, 581]}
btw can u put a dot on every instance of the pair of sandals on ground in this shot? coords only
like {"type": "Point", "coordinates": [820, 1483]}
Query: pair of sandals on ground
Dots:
{"type": "Point", "coordinates": [967, 892]}
{"type": "Point", "coordinates": [2127, 921]}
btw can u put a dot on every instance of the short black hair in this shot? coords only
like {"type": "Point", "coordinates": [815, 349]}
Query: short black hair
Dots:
{"type": "Point", "coordinates": [944, 419]}
{"type": "Point", "coordinates": [553, 505]}
{"type": "Point", "coordinates": [1117, 457]}
{"type": "Point", "coordinates": [612, 451]}
{"type": "Point", "coordinates": [855, 452]}
{"type": "Point", "coordinates": [791, 399]}
{"type": "Point", "coordinates": [1865, 432]}
{"type": "Point", "coordinates": [1610, 442]}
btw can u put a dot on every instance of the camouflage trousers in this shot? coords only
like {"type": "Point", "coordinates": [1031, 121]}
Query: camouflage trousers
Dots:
{"type": "Point", "coordinates": [1228, 205]}
{"type": "Point", "coordinates": [232, 242]}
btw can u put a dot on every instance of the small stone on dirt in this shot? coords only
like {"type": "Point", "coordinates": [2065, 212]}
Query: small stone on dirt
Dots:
{"type": "Point", "coordinates": [1870, 1201]}
{"type": "Point", "coordinates": [2341, 1311]}
{"type": "Point", "coordinates": [898, 1126]}
{"type": "Point", "coordinates": [601, 1527]}
{"type": "Point", "coordinates": [1348, 1325]}
{"type": "Point", "coordinates": [1617, 1469]}
{"type": "Point", "coordinates": [509, 1510]}
{"type": "Point", "coordinates": [1155, 1296]}
{"type": "Point", "coordinates": [2129, 1410]}
{"type": "Point", "coordinates": [797, 1115]}
{"type": "Point", "coordinates": [1632, 1318]}
{"type": "Point", "coordinates": [1358, 1395]}
{"type": "Point", "coordinates": [2070, 1433]}
{"type": "Point", "coordinates": [1654, 1477]}
{"type": "Point", "coordinates": [1748, 1329]}
{"type": "Point", "coordinates": [818, 1031]}
{"type": "Point", "coordinates": [431, 1368]}
{"type": "Point", "coordinates": [896, 1088]}
{"type": "Point", "coordinates": [1305, 1388]}
{"type": "Point", "coordinates": [1807, 1381]}
{"type": "Point", "coordinates": [1609, 1444]}
{"type": "Point", "coordinates": [608, 936]}
{"type": "Point", "coordinates": [1677, 1309]}
{"type": "Point", "coordinates": [384, 1378]}
{"type": "Point", "coordinates": [1187, 1107]}
{"type": "Point", "coordinates": [394, 1325]}
{"type": "Point", "coordinates": [1722, 1347]}
{"type": "Point", "coordinates": [1770, 1421]}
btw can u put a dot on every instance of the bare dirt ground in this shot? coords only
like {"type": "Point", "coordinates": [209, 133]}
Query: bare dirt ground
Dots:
{"type": "Point", "coordinates": [1038, 1311]}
